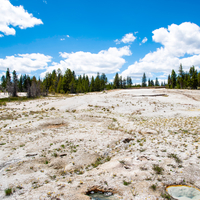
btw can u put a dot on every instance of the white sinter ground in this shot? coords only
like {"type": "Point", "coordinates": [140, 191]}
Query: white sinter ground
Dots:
{"type": "Point", "coordinates": [128, 141]}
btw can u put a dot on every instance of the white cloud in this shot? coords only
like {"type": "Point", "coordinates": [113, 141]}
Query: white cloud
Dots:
{"type": "Point", "coordinates": [68, 36]}
{"type": "Point", "coordinates": [25, 63]}
{"type": "Point", "coordinates": [106, 61]}
{"type": "Point", "coordinates": [144, 40]}
{"type": "Point", "coordinates": [128, 38]}
{"type": "Point", "coordinates": [15, 16]}
{"type": "Point", "coordinates": [62, 39]}
{"type": "Point", "coordinates": [177, 41]}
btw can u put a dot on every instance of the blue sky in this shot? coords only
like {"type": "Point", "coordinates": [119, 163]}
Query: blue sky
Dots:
{"type": "Point", "coordinates": [37, 36]}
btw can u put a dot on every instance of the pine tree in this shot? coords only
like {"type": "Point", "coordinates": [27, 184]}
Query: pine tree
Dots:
{"type": "Point", "coordinates": [3, 80]}
{"type": "Point", "coordinates": [169, 81]}
{"type": "Point", "coordinates": [173, 79]}
{"type": "Point", "coordinates": [129, 81]}
{"type": "Point", "coordinates": [20, 84]}
{"type": "Point", "coordinates": [67, 78]}
{"type": "Point", "coordinates": [14, 85]}
{"type": "Point", "coordinates": [116, 81]}
{"type": "Point", "coordinates": [149, 82]}
{"type": "Point", "coordinates": [144, 80]}
{"type": "Point", "coordinates": [103, 80]}
{"type": "Point", "coordinates": [72, 86]}
{"type": "Point", "coordinates": [92, 85]}
{"type": "Point", "coordinates": [97, 83]}
{"type": "Point", "coordinates": [157, 82]}
{"type": "Point", "coordinates": [8, 82]}
{"type": "Point", "coordinates": [198, 78]}
{"type": "Point", "coordinates": [124, 82]}
{"type": "Point", "coordinates": [181, 74]}
{"type": "Point", "coordinates": [60, 85]}
{"type": "Point", "coordinates": [193, 78]}
{"type": "Point", "coordinates": [120, 82]}
{"type": "Point", "coordinates": [152, 83]}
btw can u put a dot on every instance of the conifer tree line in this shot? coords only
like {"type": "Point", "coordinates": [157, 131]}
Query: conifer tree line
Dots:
{"type": "Point", "coordinates": [56, 82]}
{"type": "Point", "coordinates": [182, 80]}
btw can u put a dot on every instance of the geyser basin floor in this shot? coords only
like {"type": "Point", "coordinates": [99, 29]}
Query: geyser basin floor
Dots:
{"type": "Point", "coordinates": [182, 192]}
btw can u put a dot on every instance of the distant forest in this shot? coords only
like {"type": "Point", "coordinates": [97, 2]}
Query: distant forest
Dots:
{"type": "Point", "coordinates": [56, 82]}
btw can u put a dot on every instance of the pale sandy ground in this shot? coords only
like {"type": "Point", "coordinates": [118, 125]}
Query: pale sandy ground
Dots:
{"type": "Point", "coordinates": [48, 146]}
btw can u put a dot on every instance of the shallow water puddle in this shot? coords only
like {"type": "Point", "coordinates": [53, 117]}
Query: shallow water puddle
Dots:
{"type": "Point", "coordinates": [183, 192]}
{"type": "Point", "coordinates": [102, 196]}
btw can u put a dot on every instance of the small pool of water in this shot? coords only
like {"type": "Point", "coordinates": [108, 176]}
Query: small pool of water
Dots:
{"type": "Point", "coordinates": [102, 196]}
{"type": "Point", "coordinates": [183, 192]}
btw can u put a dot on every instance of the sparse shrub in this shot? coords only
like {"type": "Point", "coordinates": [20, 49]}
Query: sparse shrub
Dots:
{"type": "Point", "coordinates": [126, 183]}
{"type": "Point", "coordinates": [108, 158]}
{"type": "Point", "coordinates": [122, 162]}
{"type": "Point", "coordinates": [172, 155]}
{"type": "Point", "coordinates": [153, 187]}
{"type": "Point", "coordinates": [55, 154]}
{"type": "Point", "coordinates": [97, 162]}
{"type": "Point", "coordinates": [165, 196]}
{"type": "Point", "coordinates": [157, 169]}
{"type": "Point", "coordinates": [114, 119]}
{"type": "Point", "coordinates": [8, 191]}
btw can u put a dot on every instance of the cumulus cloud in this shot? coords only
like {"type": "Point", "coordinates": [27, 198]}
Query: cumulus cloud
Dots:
{"type": "Point", "coordinates": [128, 38]}
{"type": "Point", "coordinates": [15, 16]}
{"type": "Point", "coordinates": [106, 61]}
{"type": "Point", "coordinates": [144, 40]}
{"type": "Point", "coordinates": [68, 36]}
{"type": "Point", "coordinates": [62, 39]}
{"type": "Point", "coordinates": [25, 63]}
{"type": "Point", "coordinates": [177, 41]}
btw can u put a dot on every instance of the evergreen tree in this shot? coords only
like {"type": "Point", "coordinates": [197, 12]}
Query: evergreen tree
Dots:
{"type": "Point", "coordinates": [149, 82]}
{"type": "Point", "coordinates": [193, 78]}
{"type": "Point", "coordinates": [116, 81]}
{"type": "Point", "coordinates": [97, 83]}
{"type": "Point", "coordinates": [173, 79]}
{"type": "Point", "coordinates": [129, 81]}
{"type": "Point", "coordinates": [169, 81]}
{"type": "Point", "coordinates": [25, 83]}
{"type": "Point", "coordinates": [3, 80]}
{"type": "Point", "coordinates": [103, 80]}
{"type": "Point", "coordinates": [67, 78]}
{"type": "Point", "coordinates": [124, 82]}
{"type": "Point", "coordinates": [79, 88]}
{"type": "Point", "coordinates": [60, 85]}
{"type": "Point", "coordinates": [198, 78]}
{"type": "Point", "coordinates": [181, 75]}
{"type": "Point", "coordinates": [120, 82]}
{"type": "Point", "coordinates": [72, 86]}
{"type": "Point", "coordinates": [92, 85]}
{"type": "Point", "coordinates": [144, 80]}
{"type": "Point", "coordinates": [14, 85]}
{"type": "Point", "coordinates": [157, 82]}
{"type": "Point", "coordinates": [20, 84]}
{"type": "Point", "coordinates": [8, 82]}
{"type": "Point", "coordinates": [152, 83]}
